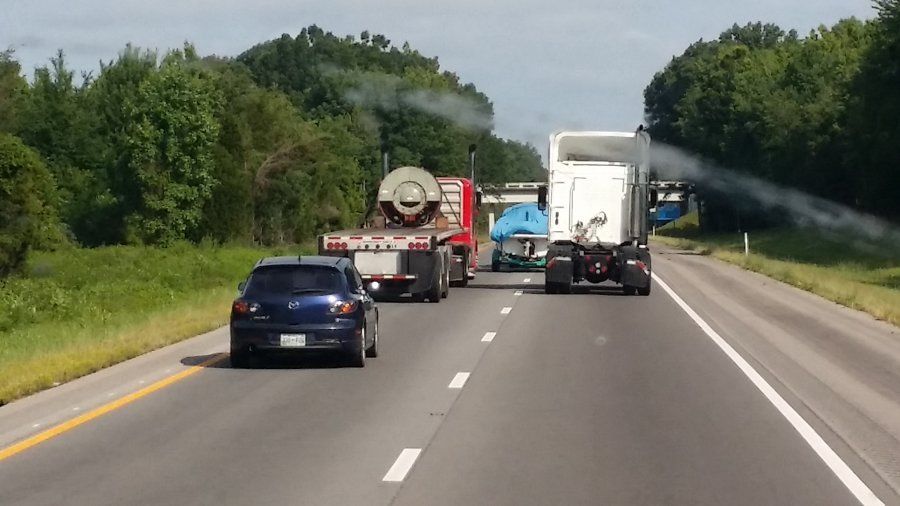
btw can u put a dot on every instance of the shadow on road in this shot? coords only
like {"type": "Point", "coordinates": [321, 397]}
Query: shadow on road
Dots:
{"type": "Point", "coordinates": [505, 286]}
{"type": "Point", "coordinates": [538, 289]}
{"type": "Point", "coordinates": [305, 360]}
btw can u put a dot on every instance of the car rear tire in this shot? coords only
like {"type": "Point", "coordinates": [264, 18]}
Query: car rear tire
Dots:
{"type": "Point", "coordinates": [372, 351]}
{"type": "Point", "coordinates": [358, 358]}
{"type": "Point", "coordinates": [629, 290]}
{"type": "Point", "coordinates": [240, 359]}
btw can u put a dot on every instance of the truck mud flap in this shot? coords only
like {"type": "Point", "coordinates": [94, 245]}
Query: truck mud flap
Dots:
{"type": "Point", "coordinates": [559, 270]}
{"type": "Point", "coordinates": [635, 267]}
{"type": "Point", "coordinates": [459, 271]}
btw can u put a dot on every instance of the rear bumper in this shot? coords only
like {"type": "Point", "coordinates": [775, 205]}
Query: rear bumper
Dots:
{"type": "Point", "coordinates": [251, 336]}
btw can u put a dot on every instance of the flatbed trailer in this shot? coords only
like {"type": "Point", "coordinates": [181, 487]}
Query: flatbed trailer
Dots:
{"type": "Point", "coordinates": [415, 261]}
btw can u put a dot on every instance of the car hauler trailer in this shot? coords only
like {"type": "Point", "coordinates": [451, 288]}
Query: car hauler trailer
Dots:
{"type": "Point", "coordinates": [424, 241]}
{"type": "Point", "coordinates": [597, 199]}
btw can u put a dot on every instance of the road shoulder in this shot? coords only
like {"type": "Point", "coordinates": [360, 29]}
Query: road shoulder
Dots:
{"type": "Point", "coordinates": [839, 365]}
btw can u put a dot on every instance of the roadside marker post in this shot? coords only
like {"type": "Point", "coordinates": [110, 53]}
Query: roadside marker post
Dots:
{"type": "Point", "coordinates": [746, 244]}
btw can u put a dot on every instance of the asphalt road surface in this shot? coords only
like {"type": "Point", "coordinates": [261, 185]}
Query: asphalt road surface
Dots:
{"type": "Point", "coordinates": [498, 395]}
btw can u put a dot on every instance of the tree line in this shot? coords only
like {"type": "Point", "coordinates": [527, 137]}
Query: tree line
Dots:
{"type": "Point", "coordinates": [273, 146]}
{"type": "Point", "coordinates": [819, 113]}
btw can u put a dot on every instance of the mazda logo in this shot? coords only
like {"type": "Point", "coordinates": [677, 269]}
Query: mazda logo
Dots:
{"type": "Point", "coordinates": [293, 304]}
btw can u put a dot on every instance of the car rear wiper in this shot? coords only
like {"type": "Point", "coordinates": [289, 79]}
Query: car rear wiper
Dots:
{"type": "Point", "coordinates": [307, 290]}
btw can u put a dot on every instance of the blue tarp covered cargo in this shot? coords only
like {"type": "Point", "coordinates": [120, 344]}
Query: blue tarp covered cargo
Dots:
{"type": "Point", "coordinates": [520, 219]}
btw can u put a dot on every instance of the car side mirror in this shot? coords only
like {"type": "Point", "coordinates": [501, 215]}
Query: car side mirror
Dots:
{"type": "Point", "coordinates": [542, 198]}
{"type": "Point", "coordinates": [654, 197]}
{"type": "Point", "coordinates": [242, 285]}
{"type": "Point", "coordinates": [373, 286]}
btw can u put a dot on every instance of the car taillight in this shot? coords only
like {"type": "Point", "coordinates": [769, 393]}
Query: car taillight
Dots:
{"type": "Point", "coordinates": [344, 307]}
{"type": "Point", "coordinates": [241, 306]}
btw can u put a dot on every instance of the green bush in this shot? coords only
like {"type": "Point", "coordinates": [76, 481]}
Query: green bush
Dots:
{"type": "Point", "coordinates": [26, 196]}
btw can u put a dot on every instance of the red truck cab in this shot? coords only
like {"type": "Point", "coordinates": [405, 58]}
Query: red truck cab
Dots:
{"type": "Point", "coordinates": [459, 205]}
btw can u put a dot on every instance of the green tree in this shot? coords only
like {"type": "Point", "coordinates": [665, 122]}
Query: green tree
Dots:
{"type": "Point", "coordinates": [26, 204]}
{"type": "Point", "coordinates": [12, 85]}
{"type": "Point", "coordinates": [873, 115]}
{"type": "Point", "coordinates": [170, 137]}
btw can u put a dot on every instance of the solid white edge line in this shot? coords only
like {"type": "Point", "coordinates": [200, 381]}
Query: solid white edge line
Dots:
{"type": "Point", "coordinates": [459, 380]}
{"type": "Point", "coordinates": [840, 468]}
{"type": "Point", "coordinates": [506, 310]}
{"type": "Point", "coordinates": [488, 337]}
{"type": "Point", "coordinates": [402, 465]}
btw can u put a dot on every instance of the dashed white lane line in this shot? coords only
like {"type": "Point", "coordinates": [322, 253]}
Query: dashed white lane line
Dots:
{"type": "Point", "coordinates": [519, 292]}
{"type": "Point", "coordinates": [488, 337]}
{"type": "Point", "coordinates": [506, 310]}
{"type": "Point", "coordinates": [526, 280]}
{"type": "Point", "coordinates": [402, 465]}
{"type": "Point", "coordinates": [35, 426]}
{"type": "Point", "coordinates": [840, 468]}
{"type": "Point", "coordinates": [459, 380]}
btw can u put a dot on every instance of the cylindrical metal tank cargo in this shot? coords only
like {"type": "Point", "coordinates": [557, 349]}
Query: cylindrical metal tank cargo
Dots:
{"type": "Point", "coordinates": [409, 197]}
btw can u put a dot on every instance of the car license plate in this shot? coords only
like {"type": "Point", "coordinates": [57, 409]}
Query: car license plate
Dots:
{"type": "Point", "coordinates": [293, 340]}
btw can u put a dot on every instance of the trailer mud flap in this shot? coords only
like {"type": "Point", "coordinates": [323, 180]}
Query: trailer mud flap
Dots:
{"type": "Point", "coordinates": [635, 267]}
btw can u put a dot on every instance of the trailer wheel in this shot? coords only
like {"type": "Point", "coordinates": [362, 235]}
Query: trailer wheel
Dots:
{"type": "Point", "coordinates": [551, 288]}
{"type": "Point", "coordinates": [434, 292]}
{"type": "Point", "coordinates": [565, 288]}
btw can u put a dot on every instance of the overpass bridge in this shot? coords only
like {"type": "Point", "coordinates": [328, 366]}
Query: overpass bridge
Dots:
{"type": "Point", "coordinates": [510, 193]}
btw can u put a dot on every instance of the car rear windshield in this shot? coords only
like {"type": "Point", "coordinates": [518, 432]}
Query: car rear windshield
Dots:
{"type": "Point", "coordinates": [293, 279]}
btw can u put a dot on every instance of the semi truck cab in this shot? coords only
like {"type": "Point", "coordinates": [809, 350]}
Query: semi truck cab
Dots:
{"type": "Point", "coordinates": [597, 200]}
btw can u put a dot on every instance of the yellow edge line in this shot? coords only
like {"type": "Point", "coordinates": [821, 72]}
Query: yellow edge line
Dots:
{"type": "Point", "coordinates": [68, 425]}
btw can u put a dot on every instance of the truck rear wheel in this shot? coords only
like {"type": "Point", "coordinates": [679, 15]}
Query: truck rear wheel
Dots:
{"type": "Point", "coordinates": [645, 290]}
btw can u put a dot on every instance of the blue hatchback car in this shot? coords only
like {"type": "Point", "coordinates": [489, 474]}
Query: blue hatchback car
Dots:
{"type": "Point", "coordinates": [297, 304]}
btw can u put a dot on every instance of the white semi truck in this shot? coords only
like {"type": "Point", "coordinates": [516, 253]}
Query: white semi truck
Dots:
{"type": "Point", "coordinates": [597, 199]}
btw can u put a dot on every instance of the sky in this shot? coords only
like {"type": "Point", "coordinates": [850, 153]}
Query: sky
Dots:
{"type": "Point", "coordinates": [546, 66]}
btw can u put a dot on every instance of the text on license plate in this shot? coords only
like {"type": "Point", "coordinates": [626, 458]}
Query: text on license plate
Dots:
{"type": "Point", "coordinates": [293, 339]}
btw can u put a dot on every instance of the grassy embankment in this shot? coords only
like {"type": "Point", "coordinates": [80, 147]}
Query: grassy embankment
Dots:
{"type": "Point", "coordinates": [855, 275]}
{"type": "Point", "coordinates": [76, 311]}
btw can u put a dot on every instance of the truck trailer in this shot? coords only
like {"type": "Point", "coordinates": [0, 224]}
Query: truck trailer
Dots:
{"type": "Point", "coordinates": [597, 199]}
{"type": "Point", "coordinates": [422, 243]}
